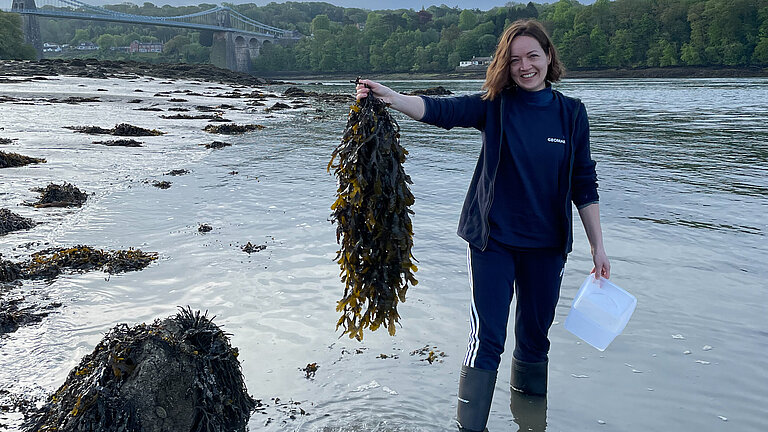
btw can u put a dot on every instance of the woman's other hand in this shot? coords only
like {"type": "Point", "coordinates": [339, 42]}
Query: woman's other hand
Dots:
{"type": "Point", "coordinates": [602, 265]}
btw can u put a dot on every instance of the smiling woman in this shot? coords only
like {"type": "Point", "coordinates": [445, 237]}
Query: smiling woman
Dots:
{"type": "Point", "coordinates": [517, 216]}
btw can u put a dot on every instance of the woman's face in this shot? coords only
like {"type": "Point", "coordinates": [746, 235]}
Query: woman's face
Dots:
{"type": "Point", "coordinates": [528, 63]}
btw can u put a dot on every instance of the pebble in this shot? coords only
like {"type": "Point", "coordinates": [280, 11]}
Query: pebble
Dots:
{"type": "Point", "coordinates": [579, 376]}
{"type": "Point", "coordinates": [678, 336]}
{"type": "Point", "coordinates": [704, 362]}
{"type": "Point", "coordinates": [686, 352]}
{"type": "Point", "coordinates": [601, 421]}
{"type": "Point", "coordinates": [649, 389]}
{"type": "Point", "coordinates": [160, 411]}
{"type": "Point", "coordinates": [723, 418]}
{"type": "Point", "coordinates": [706, 348]}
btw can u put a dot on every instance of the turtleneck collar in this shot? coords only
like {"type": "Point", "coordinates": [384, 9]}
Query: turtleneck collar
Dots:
{"type": "Point", "coordinates": [541, 97]}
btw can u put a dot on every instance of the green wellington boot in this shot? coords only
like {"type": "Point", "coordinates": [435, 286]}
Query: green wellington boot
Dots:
{"type": "Point", "coordinates": [529, 378]}
{"type": "Point", "coordinates": [475, 396]}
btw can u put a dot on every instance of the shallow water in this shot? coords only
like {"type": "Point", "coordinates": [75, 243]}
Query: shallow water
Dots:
{"type": "Point", "coordinates": [683, 167]}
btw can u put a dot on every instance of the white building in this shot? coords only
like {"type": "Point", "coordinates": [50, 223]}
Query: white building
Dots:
{"type": "Point", "coordinates": [476, 61]}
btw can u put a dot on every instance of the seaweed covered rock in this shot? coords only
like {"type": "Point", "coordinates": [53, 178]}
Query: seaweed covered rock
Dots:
{"type": "Point", "coordinates": [277, 107]}
{"type": "Point", "coordinates": [432, 91]}
{"type": "Point", "coordinates": [11, 160]}
{"type": "Point", "coordinates": [50, 263]}
{"type": "Point", "coordinates": [63, 195]}
{"type": "Point", "coordinates": [176, 375]}
{"type": "Point", "coordinates": [372, 214]}
{"type": "Point", "coordinates": [9, 270]}
{"type": "Point", "coordinates": [10, 221]}
{"type": "Point", "coordinates": [14, 313]}
{"type": "Point", "coordinates": [120, 143]}
{"type": "Point", "coordinates": [122, 129]}
{"type": "Point", "coordinates": [217, 145]}
{"type": "Point", "coordinates": [161, 184]}
{"type": "Point", "coordinates": [232, 129]}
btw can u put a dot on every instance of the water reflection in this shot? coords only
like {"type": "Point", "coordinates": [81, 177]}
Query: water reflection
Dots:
{"type": "Point", "coordinates": [529, 412]}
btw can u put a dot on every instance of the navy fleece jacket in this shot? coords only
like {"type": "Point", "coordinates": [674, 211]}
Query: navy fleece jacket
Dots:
{"type": "Point", "coordinates": [579, 183]}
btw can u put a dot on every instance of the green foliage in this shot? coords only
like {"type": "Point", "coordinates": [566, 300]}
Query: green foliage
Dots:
{"type": "Point", "coordinates": [607, 33]}
{"type": "Point", "coordinates": [12, 46]}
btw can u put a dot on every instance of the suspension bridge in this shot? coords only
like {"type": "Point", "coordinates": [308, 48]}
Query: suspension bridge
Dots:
{"type": "Point", "coordinates": [237, 38]}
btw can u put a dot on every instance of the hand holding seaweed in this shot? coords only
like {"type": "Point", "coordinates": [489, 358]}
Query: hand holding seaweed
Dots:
{"type": "Point", "coordinates": [373, 219]}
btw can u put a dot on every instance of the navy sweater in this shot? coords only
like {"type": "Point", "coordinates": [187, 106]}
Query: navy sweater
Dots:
{"type": "Point", "coordinates": [526, 207]}
{"type": "Point", "coordinates": [577, 181]}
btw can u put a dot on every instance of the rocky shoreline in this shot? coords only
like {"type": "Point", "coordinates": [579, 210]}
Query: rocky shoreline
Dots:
{"type": "Point", "coordinates": [93, 68]}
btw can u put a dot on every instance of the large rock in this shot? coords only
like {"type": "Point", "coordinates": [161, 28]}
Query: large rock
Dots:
{"type": "Point", "coordinates": [179, 374]}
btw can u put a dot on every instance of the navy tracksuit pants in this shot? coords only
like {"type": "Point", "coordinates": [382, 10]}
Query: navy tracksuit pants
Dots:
{"type": "Point", "coordinates": [497, 275]}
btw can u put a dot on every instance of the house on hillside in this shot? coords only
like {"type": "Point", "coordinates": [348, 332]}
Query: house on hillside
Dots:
{"type": "Point", "coordinates": [51, 47]}
{"type": "Point", "coordinates": [87, 46]}
{"type": "Point", "coordinates": [145, 47]}
{"type": "Point", "coordinates": [475, 63]}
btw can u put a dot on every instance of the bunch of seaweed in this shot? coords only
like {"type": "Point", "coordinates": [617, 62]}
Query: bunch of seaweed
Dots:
{"type": "Point", "coordinates": [179, 374]}
{"type": "Point", "coordinates": [10, 221]}
{"type": "Point", "coordinates": [49, 263]}
{"type": "Point", "coordinates": [232, 129]}
{"type": "Point", "coordinates": [373, 219]}
{"type": "Point", "coordinates": [122, 129]}
{"type": "Point", "coordinates": [4, 141]}
{"type": "Point", "coordinates": [63, 195]}
{"type": "Point", "coordinates": [11, 160]}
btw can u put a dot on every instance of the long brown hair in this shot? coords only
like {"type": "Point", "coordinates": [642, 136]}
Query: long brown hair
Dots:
{"type": "Point", "coordinates": [498, 76]}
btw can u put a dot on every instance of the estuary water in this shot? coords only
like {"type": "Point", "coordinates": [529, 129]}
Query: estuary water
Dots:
{"type": "Point", "coordinates": [683, 175]}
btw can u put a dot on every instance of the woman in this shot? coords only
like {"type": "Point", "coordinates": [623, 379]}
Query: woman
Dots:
{"type": "Point", "coordinates": [517, 216]}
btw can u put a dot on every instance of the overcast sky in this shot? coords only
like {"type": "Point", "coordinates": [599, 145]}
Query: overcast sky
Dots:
{"type": "Point", "coordinates": [382, 4]}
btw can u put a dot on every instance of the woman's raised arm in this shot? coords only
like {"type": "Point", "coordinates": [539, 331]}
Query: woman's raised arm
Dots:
{"type": "Point", "coordinates": [412, 106]}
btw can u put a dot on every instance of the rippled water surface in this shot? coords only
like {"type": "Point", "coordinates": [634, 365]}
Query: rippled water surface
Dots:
{"type": "Point", "coordinates": [683, 167]}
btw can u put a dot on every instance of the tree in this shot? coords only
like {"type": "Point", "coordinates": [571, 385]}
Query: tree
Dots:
{"type": "Point", "coordinates": [467, 20]}
{"type": "Point", "coordinates": [81, 35]}
{"type": "Point", "coordinates": [320, 22]}
{"type": "Point", "coordinates": [106, 41]}
{"type": "Point", "coordinates": [760, 55]}
{"type": "Point", "coordinates": [620, 50]}
{"type": "Point", "coordinates": [12, 46]}
{"type": "Point", "coordinates": [176, 45]}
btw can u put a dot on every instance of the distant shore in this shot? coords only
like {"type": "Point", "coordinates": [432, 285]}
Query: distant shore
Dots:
{"type": "Point", "coordinates": [667, 72]}
{"type": "Point", "coordinates": [122, 69]}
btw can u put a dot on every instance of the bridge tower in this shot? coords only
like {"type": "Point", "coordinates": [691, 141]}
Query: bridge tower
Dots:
{"type": "Point", "coordinates": [30, 25]}
{"type": "Point", "coordinates": [231, 49]}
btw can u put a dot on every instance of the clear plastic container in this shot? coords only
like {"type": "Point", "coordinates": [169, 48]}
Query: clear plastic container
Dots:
{"type": "Point", "coordinates": [599, 312]}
